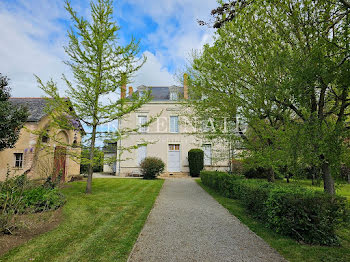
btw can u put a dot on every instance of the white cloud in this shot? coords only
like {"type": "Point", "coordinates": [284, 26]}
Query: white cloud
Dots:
{"type": "Point", "coordinates": [153, 73]}
{"type": "Point", "coordinates": [32, 39]}
{"type": "Point", "coordinates": [178, 32]}
{"type": "Point", "coordinates": [25, 48]}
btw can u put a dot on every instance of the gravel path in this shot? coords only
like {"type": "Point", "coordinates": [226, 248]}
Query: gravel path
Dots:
{"type": "Point", "coordinates": [187, 224]}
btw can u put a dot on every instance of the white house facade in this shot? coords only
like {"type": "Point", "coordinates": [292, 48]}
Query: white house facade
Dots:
{"type": "Point", "coordinates": [169, 137]}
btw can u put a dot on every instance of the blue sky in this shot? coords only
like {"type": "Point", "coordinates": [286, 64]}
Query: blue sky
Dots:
{"type": "Point", "coordinates": [34, 31]}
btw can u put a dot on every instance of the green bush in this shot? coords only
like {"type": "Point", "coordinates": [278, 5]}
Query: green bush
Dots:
{"type": "Point", "coordinates": [19, 195]}
{"type": "Point", "coordinates": [310, 217]}
{"type": "Point", "coordinates": [11, 200]}
{"type": "Point", "coordinates": [195, 161]}
{"type": "Point", "coordinates": [42, 199]}
{"type": "Point", "coordinates": [151, 167]}
{"type": "Point", "coordinates": [258, 172]}
{"type": "Point", "coordinates": [237, 166]}
{"type": "Point", "coordinates": [305, 215]}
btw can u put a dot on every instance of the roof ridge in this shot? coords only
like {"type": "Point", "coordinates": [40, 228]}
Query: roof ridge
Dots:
{"type": "Point", "coordinates": [29, 98]}
{"type": "Point", "coordinates": [161, 86]}
{"type": "Point", "coordinates": [34, 97]}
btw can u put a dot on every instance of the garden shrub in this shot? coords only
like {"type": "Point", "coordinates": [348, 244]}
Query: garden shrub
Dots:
{"type": "Point", "coordinates": [305, 215]}
{"type": "Point", "coordinates": [11, 200]}
{"type": "Point", "coordinates": [237, 166]}
{"type": "Point", "coordinates": [195, 161]}
{"type": "Point", "coordinates": [258, 172]}
{"type": "Point", "coordinates": [18, 195]}
{"type": "Point", "coordinates": [76, 178]}
{"type": "Point", "coordinates": [151, 167]}
{"type": "Point", "coordinates": [42, 199]}
{"type": "Point", "coordinates": [52, 182]}
{"type": "Point", "coordinates": [254, 195]}
{"type": "Point", "coordinates": [345, 172]}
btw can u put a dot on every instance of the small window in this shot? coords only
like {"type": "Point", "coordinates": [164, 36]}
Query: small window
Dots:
{"type": "Point", "coordinates": [174, 124]}
{"type": "Point", "coordinates": [142, 121]}
{"type": "Point", "coordinates": [19, 160]}
{"type": "Point", "coordinates": [45, 139]}
{"type": "Point", "coordinates": [174, 147]}
{"type": "Point", "coordinates": [141, 93]}
{"type": "Point", "coordinates": [173, 96]}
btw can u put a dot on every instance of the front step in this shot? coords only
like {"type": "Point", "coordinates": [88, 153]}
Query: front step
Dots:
{"type": "Point", "coordinates": [175, 174]}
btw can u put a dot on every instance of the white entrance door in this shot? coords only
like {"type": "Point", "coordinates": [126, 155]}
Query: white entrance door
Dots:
{"type": "Point", "coordinates": [174, 158]}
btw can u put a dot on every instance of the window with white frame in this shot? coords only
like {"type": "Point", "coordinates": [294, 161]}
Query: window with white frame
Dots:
{"type": "Point", "coordinates": [141, 153]}
{"type": "Point", "coordinates": [142, 121]}
{"type": "Point", "coordinates": [173, 95]}
{"type": "Point", "coordinates": [207, 154]}
{"type": "Point", "coordinates": [18, 160]}
{"type": "Point", "coordinates": [174, 124]}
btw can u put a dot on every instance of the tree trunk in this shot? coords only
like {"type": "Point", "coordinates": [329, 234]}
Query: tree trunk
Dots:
{"type": "Point", "coordinates": [313, 174]}
{"type": "Point", "coordinates": [271, 175]}
{"type": "Point", "coordinates": [328, 182]}
{"type": "Point", "coordinates": [91, 162]}
{"type": "Point", "coordinates": [288, 178]}
{"type": "Point", "coordinates": [348, 178]}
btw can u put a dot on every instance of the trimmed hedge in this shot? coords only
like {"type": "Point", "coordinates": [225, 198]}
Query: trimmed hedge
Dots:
{"type": "Point", "coordinates": [297, 212]}
{"type": "Point", "coordinates": [195, 161]}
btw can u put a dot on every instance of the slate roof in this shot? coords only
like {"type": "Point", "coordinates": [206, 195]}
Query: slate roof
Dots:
{"type": "Point", "coordinates": [36, 108]}
{"type": "Point", "coordinates": [34, 105]}
{"type": "Point", "coordinates": [162, 93]}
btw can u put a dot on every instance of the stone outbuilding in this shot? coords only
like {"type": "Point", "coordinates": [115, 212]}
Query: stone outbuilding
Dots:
{"type": "Point", "coordinates": [40, 156]}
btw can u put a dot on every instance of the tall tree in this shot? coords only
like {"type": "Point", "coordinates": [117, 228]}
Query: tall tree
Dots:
{"type": "Point", "coordinates": [12, 117]}
{"type": "Point", "coordinates": [100, 66]}
{"type": "Point", "coordinates": [288, 63]}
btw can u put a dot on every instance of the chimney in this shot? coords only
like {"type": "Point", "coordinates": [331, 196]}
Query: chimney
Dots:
{"type": "Point", "coordinates": [130, 90]}
{"type": "Point", "coordinates": [185, 86]}
{"type": "Point", "coordinates": [123, 88]}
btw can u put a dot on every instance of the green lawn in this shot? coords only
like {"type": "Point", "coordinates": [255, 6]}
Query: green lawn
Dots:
{"type": "Point", "coordinates": [287, 247]}
{"type": "Point", "coordinates": [102, 226]}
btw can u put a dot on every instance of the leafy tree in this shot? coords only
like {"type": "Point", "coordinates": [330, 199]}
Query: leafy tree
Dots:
{"type": "Point", "coordinates": [98, 160]}
{"type": "Point", "coordinates": [100, 66]}
{"type": "Point", "coordinates": [12, 117]}
{"type": "Point", "coordinates": [286, 67]}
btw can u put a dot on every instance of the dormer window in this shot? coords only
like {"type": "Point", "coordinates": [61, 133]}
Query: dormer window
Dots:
{"type": "Point", "coordinates": [173, 96]}
{"type": "Point", "coordinates": [174, 93]}
{"type": "Point", "coordinates": [142, 90]}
